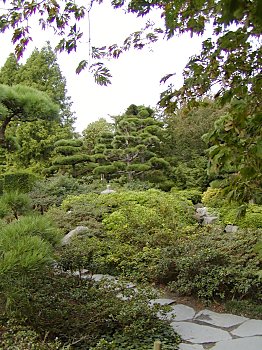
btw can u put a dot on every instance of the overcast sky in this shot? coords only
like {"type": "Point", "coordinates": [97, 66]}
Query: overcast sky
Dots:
{"type": "Point", "coordinates": [136, 74]}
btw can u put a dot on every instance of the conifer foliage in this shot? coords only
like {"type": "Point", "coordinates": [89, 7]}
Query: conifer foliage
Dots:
{"type": "Point", "coordinates": [134, 150]}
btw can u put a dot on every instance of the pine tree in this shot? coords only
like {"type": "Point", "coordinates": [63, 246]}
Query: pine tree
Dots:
{"type": "Point", "coordinates": [69, 155]}
{"type": "Point", "coordinates": [135, 149]}
{"type": "Point", "coordinates": [9, 73]}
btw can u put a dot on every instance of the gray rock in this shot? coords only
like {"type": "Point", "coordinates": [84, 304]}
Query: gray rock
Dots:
{"type": "Point", "coordinates": [209, 220]}
{"type": "Point", "coordinates": [163, 301]}
{"type": "Point", "coordinates": [219, 320]}
{"type": "Point", "coordinates": [249, 343]}
{"type": "Point", "coordinates": [231, 228]}
{"type": "Point", "coordinates": [108, 190]}
{"type": "Point", "coordinates": [78, 230]}
{"type": "Point", "coordinates": [99, 277]}
{"type": "Point", "coordinates": [183, 346]}
{"type": "Point", "coordinates": [202, 211]}
{"type": "Point", "coordinates": [180, 313]}
{"type": "Point", "coordinates": [249, 329]}
{"type": "Point", "coordinates": [83, 273]}
{"type": "Point", "coordinates": [199, 334]}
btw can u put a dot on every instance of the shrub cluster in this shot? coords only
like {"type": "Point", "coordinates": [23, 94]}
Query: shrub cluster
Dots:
{"type": "Point", "coordinates": [214, 264]}
{"type": "Point", "coordinates": [134, 229]}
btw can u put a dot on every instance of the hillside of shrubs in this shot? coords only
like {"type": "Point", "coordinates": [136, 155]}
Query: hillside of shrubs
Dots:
{"type": "Point", "coordinates": [149, 237]}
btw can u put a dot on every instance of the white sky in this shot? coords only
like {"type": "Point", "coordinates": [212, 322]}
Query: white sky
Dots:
{"type": "Point", "coordinates": [136, 74]}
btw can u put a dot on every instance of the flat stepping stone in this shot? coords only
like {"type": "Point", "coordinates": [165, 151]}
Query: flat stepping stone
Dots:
{"type": "Point", "coordinates": [162, 301]}
{"type": "Point", "coordinates": [180, 312]}
{"type": "Point", "coordinates": [190, 347]}
{"type": "Point", "coordinates": [199, 334]}
{"type": "Point", "coordinates": [99, 277]}
{"type": "Point", "coordinates": [219, 320]}
{"type": "Point", "coordinates": [249, 329]}
{"type": "Point", "coordinates": [249, 343]}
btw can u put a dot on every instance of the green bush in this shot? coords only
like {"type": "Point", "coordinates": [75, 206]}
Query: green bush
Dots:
{"type": "Point", "coordinates": [4, 209]}
{"type": "Point", "coordinates": [175, 209]}
{"type": "Point", "coordinates": [252, 218]}
{"type": "Point", "coordinates": [79, 215]}
{"type": "Point", "coordinates": [192, 174]}
{"type": "Point", "coordinates": [248, 216]}
{"type": "Point", "coordinates": [213, 197]}
{"type": "Point", "coordinates": [25, 246]}
{"type": "Point", "coordinates": [21, 255]}
{"type": "Point", "coordinates": [82, 253]}
{"type": "Point", "coordinates": [194, 195]}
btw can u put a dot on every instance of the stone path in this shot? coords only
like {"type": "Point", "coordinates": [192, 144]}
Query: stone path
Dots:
{"type": "Point", "coordinates": [211, 330]}
{"type": "Point", "coordinates": [207, 329]}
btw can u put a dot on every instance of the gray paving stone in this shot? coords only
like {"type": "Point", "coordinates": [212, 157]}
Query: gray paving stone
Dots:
{"type": "Point", "coordinates": [180, 312]}
{"type": "Point", "coordinates": [99, 277]}
{"type": "Point", "coordinates": [219, 320]}
{"type": "Point", "coordinates": [183, 346]}
{"type": "Point", "coordinates": [249, 329]}
{"type": "Point", "coordinates": [249, 343]}
{"type": "Point", "coordinates": [163, 301]}
{"type": "Point", "coordinates": [199, 334]}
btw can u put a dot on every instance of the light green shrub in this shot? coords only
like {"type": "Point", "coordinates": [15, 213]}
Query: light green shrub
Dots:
{"type": "Point", "coordinates": [252, 218]}
{"type": "Point", "coordinates": [213, 197]}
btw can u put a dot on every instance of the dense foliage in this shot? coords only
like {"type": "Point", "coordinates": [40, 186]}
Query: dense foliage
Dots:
{"type": "Point", "coordinates": [138, 232]}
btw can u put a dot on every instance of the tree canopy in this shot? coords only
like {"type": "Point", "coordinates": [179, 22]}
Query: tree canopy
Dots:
{"type": "Point", "coordinates": [34, 141]}
{"type": "Point", "coordinates": [229, 64]}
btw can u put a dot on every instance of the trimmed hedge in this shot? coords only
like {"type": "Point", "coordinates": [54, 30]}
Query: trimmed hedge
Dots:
{"type": "Point", "coordinates": [19, 181]}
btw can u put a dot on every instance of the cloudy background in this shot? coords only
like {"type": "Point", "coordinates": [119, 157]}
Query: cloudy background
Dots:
{"type": "Point", "coordinates": [136, 74]}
